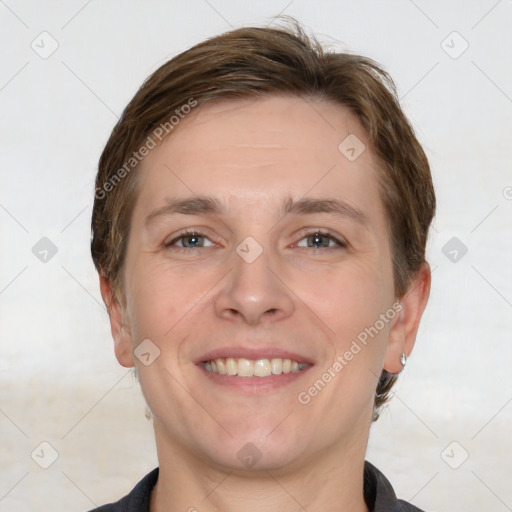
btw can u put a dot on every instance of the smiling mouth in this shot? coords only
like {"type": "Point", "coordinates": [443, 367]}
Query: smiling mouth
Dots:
{"type": "Point", "coordinates": [242, 367]}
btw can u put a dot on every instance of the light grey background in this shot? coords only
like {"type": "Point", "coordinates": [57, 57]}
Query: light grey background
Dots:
{"type": "Point", "coordinates": [59, 380]}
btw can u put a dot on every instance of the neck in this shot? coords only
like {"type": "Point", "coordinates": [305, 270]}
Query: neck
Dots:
{"type": "Point", "coordinates": [333, 481]}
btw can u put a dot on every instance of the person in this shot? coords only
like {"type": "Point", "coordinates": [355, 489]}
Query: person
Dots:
{"type": "Point", "coordinates": [259, 228]}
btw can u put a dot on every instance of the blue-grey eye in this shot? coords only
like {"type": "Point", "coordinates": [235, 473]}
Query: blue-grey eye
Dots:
{"type": "Point", "coordinates": [317, 240]}
{"type": "Point", "coordinates": [192, 240]}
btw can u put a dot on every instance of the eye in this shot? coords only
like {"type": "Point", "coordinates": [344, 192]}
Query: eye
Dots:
{"type": "Point", "coordinates": [189, 240]}
{"type": "Point", "coordinates": [318, 239]}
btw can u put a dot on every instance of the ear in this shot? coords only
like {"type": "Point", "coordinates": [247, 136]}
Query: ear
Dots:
{"type": "Point", "coordinates": [403, 332]}
{"type": "Point", "coordinates": [120, 330]}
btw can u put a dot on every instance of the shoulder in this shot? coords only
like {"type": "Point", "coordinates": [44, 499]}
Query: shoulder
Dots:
{"type": "Point", "coordinates": [403, 506]}
{"type": "Point", "coordinates": [379, 493]}
{"type": "Point", "coordinates": [137, 500]}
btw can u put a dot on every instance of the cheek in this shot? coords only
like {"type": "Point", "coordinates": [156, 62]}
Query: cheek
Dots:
{"type": "Point", "coordinates": [153, 302]}
{"type": "Point", "coordinates": [347, 298]}
{"type": "Point", "coordinates": [350, 301]}
{"type": "Point", "coordinates": [165, 299]}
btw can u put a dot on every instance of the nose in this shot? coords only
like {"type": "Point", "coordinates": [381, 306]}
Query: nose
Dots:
{"type": "Point", "coordinates": [254, 292]}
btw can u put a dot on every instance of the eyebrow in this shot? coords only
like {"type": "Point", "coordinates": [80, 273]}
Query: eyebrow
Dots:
{"type": "Point", "coordinates": [206, 205]}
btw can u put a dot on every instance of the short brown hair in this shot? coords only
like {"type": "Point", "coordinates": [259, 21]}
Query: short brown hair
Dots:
{"type": "Point", "coordinates": [251, 62]}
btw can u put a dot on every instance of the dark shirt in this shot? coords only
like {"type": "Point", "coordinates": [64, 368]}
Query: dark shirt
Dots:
{"type": "Point", "coordinates": [378, 494]}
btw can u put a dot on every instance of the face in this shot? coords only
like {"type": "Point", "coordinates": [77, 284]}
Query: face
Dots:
{"type": "Point", "coordinates": [257, 247]}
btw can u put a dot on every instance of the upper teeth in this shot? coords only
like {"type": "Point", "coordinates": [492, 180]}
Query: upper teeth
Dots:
{"type": "Point", "coordinates": [252, 368]}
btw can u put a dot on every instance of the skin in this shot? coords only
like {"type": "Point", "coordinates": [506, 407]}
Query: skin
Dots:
{"type": "Point", "coordinates": [251, 154]}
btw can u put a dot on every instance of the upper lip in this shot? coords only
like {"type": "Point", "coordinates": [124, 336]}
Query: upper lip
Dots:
{"type": "Point", "coordinates": [252, 353]}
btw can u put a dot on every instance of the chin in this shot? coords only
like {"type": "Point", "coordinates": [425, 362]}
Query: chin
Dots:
{"type": "Point", "coordinates": [260, 448]}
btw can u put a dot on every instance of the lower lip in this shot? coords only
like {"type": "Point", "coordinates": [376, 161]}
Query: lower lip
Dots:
{"type": "Point", "coordinates": [253, 384]}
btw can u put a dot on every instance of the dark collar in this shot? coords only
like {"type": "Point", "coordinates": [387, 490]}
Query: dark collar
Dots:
{"type": "Point", "coordinates": [378, 494]}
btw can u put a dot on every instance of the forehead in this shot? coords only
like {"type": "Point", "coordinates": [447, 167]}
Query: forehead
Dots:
{"type": "Point", "coordinates": [277, 128]}
{"type": "Point", "coordinates": [261, 150]}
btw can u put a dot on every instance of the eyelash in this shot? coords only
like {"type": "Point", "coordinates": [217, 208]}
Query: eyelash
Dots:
{"type": "Point", "coordinates": [341, 243]}
{"type": "Point", "coordinates": [190, 232]}
{"type": "Point", "coordinates": [184, 234]}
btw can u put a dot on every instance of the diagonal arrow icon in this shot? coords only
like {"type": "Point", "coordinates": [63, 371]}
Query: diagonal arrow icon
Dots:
{"type": "Point", "coordinates": [44, 250]}
{"type": "Point", "coordinates": [351, 147]}
{"type": "Point", "coordinates": [249, 249]}
{"type": "Point", "coordinates": [44, 455]}
{"type": "Point", "coordinates": [147, 352]}
{"type": "Point", "coordinates": [454, 249]}
{"type": "Point", "coordinates": [249, 455]}
{"type": "Point", "coordinates": [454, 45]}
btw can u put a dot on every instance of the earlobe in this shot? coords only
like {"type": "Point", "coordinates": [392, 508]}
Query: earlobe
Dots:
{"type": "Point", "coordinates": [120, 331]}
{"type": "Point", "coordinates": [402, 335]}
